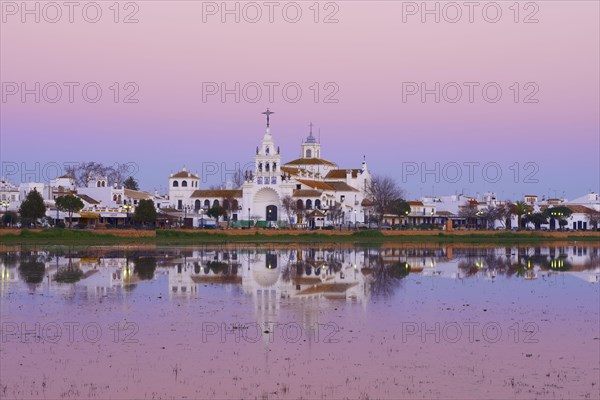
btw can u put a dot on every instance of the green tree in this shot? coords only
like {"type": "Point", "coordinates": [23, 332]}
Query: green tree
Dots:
{"type": "Point", "coordinates": [537, 219]}
{"type": "Point", "coordinates": [145, 267]}
{"type": "Point", "coordinates": [69, 204]}
{"type": "Point", "coordinates": [145, 212]}
{"type": "Point", "coordinates": [9, 218]}
{"type": "Point", "coordinates": [519, 209]}
{"type": "Point", "coordinates": [216, 212]}
{"type": "Point", "coordinates": [400, 208]}
{"type": "Point", "coordinates": [32, 271]}
{"type": "Point", "coordinates": [560, 213]}
{"type": "Point", "coordinates": [131, 183]}
{"type": "Point", "coordinates": [33, 207]}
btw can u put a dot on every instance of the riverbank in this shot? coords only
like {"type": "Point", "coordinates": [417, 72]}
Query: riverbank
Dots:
{"type": "Point", "coordinates": [183, 236]}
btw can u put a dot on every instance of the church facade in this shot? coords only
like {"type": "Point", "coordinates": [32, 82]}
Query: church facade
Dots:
{"type": "Point", "coordinates": [307, 191]}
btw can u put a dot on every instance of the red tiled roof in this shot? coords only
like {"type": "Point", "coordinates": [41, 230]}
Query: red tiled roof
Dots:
{"type": "Point", "coordinates": [310, 161]}
{"type": "Point", "coordinates": [341, 173]}
{"type": "Point", "coordinates": [218, 193]}
{"type": "Point", "coordinates": [136, 194]}
{"type": "Point", "coordinates": [341, 186]}
{"type": "Point", "coordinates": [184, 174]}
{"type": "Point", "coordinates": [315, 184]}
{"type": "Point", "coordinates": [88, 199]}
{"type": "Point", "coordinates": [307, 193]}
{"type": "Point", "coordinates": [415, 203]}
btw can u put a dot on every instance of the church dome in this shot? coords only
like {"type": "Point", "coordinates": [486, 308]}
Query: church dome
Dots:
{"type": "Point", "coordinates": [265, 277]}
{"type": "Point", "coordinates": [310, 139]}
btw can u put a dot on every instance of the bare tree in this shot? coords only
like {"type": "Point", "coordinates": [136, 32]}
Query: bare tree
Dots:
{"type": "Point", "coordinates": [118, 173]}
{"type": "Point", "coordinates": [288, 204]}
{"type": "Point", "coordinates": [504, 213]}
{"type": "Point", "coordinates": [593, 217]}
{"type": "Point", "coordinates": [469, 213]}
{"type": "Point", "coordinates": [230, 205]}
{"type": "Point", "coordinates": [335, 213]}
{"type": "Point", "coordinates": [382, 191]}
{"type": "Point", "coordinates": [239, 178]}
{"type": "Point", "coordinates": [84, 172]}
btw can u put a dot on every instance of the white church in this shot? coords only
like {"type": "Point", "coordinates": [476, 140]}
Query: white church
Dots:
{"type": "Point", "coordinates": [322, 193]}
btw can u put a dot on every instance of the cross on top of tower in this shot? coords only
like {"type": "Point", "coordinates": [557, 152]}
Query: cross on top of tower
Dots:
{"type": "Point", "coordinates": [311, 138]}
{"type": "Point", "coordinates": [268, 114]}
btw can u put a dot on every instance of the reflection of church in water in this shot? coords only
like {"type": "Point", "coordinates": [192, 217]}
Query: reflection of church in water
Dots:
{"type": "Point", "coordinates": [309, 278]}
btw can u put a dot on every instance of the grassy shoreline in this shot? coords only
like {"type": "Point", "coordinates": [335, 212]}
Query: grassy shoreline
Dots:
{"type": "Point", "coordinates": [187, 237]}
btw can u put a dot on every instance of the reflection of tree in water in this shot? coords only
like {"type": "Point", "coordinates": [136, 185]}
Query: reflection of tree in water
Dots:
{"type": "Point", "coordinates": [221, 268]}
{"type": "Point", "coordinates": [70, 274]}
{"type": "Point", "coordinates": [145, 267]}
{"type": "Point", "coordinates": [32, 271]}
{"type": "Point", "coordinates": [10, 259]}
{"type": "Point", "coordinates": [559, 263]}
{"type": "Point", "coordinates": [384, 279]}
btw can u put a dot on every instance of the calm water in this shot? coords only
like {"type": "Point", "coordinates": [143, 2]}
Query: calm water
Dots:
{"type": "Point", "coordinates": [306, 322]}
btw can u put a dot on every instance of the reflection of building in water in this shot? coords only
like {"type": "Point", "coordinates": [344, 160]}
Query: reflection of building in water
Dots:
{"type": "Point", "coordinates": [180, 278]}
{"type": "Point", "coordinates": [8, 276]}
{"type": "Point", "coordinates": [310, 276]}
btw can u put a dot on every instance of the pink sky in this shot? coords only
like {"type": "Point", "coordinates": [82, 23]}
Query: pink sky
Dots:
{"type": "Point", "coordinates": [368, 54]}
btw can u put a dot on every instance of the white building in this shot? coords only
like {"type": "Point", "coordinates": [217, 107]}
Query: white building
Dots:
{"type": "Point", "coordinates": [311, 181]}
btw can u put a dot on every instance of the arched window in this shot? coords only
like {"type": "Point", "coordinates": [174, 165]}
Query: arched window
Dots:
{"type": "Point", "coordinates": [175, 184]}
{"type": "Point", "coordinates": [260, 167]}
{"type": "Point", "coordinates": [197, 205]}
{"type": "Point", "coordinates": [308, 153]}
{"type": "Point", "coordinates": [216, 203]}
{"type": "Point", "coordinates": [318, 204]}
{"type": "Point", "coordinates": [299, 204]}
{"type": "Point", "coordinates": [206, 203]}
{"type": "Point", "coordinates": [226, 204]}
{"type": "Point", "coordinates": [267, 167]}
{"type": "Point", "coordinates": [98, 184]}
{"type": "Point", "coordinates": [274, 166]}
{"type": "Point", "coordinates": [183, 183]}
{"type": "Point", "coordinates": [103, 183]}
{"type": "Point", "coordinates": [235, 204]}
{"type": "Point", "coordinates": [308, 204]}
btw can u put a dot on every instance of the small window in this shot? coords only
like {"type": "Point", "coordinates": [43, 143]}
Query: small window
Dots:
{"type": "Point", "coordinates": [184, 184]}
{"type": "Point", "coordinates": [175, 184]}
{"type": "Point", "coordinates": [308, 153]}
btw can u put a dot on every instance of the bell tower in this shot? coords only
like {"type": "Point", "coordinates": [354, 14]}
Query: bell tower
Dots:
{"type": "Point", "coordinates": [311, 148]}
{"type": "Point", "coordinates": [268, 159]}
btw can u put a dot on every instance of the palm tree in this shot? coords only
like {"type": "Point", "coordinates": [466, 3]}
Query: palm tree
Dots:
{"type": "Point", "coordinates": [519, 209]}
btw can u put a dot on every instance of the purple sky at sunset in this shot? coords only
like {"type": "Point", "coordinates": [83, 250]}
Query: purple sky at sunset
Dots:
{"type": "Point", "coordinates": [367, 55]}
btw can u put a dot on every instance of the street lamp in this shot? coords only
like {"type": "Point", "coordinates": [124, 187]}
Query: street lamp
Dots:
{"type": "Point", "coordinates": [355, 212]}
{"type": "Point", "coordinates": [248, 217]}
{"type": "Point", "coordinates": [5, 204]}
{"type": "Point", "coordinates": [127, 207]}
{"type": "Point", "coordinates": [201, 218]}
